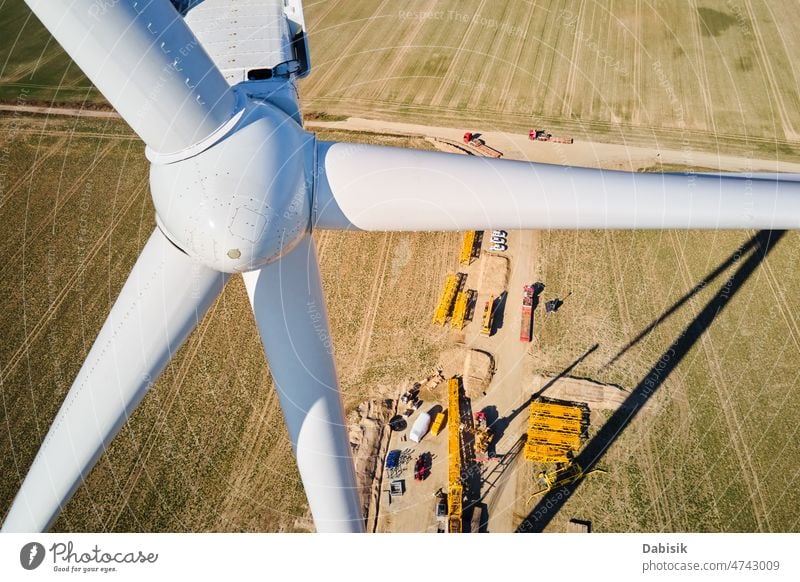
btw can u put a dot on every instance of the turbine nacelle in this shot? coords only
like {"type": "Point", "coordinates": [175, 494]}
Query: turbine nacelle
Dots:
{"type": "Point", "coordinates": [242, 199]}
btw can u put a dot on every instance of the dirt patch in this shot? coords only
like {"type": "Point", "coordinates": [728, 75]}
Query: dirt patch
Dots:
{"type": "Point", "coordinates": [368, 431]}
{"type": "Point", "coordinates": [596, 395]}
{"type": "Point", "coordinates": [478, 372]}
{"type": "Point", "coordinates": [476, 367]}
{"type": "Point", "coordinates": [493, 276]}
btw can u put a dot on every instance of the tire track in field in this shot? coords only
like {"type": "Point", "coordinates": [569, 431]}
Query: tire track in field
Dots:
{"type": "Point", "coordinates": [652, 473]}
{"type": "Point", "coordinates": [159, 422]}
{"type": "Point", "coordinates": [766, 66]}
{"type": "Point", "coordinates": [649, 469]}
{"type": "Point", "coordinates": [32, 67]}
{"type": "Point", "coordinates": [365, 339]}
{"type": "Point", "coordinates": [389, 75]}
{"type": "Point", "coordinates": [454, 67]}
{"type": "Point", "coordinates": [547, 83]}
{"type": "Point", "coordinates": [794, 78]}
{"type": "Point", "coordinates": [322, 81]}
{"type": "Point", "coordinates": [744, 459]}
{"type": "Point", "coordinates": [607, 75]}
{"type": "Point", "coordinates": [77, 274]}
{"type": "Point", "coordinates": [638, 40]}
{"type": "Point", "coordinates": [617, 272]}
{"type": "Point", "coordinates": [321, 17]}
{"type": "Point", "coordinates": [566, 105]}
{"type": "Point", "coordinates": [783, 305]}
{"type": "Point", "coordinates": [60, 203]}
{"type": "Point", "coordinates": [701, 69]}
{"type": "Point", "coordinates": [255, 439]}
{"type": "Point", "coordinates": [514, 68]}
{"type": "Point", "coordinates": [735, 430]}
{"type": "Point", "coordinates": [38, 162]}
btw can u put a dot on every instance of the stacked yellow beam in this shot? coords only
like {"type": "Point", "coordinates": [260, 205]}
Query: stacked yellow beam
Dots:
{"type": "Point", "coordinates": [554, 432]}
{"type": "Point", "coordinates": [559, 439]}
{"type": "Point", "coordinates": [445, 305]}
{"type": "Point", "coordinates": [460, 310]}
{"type": "Point", "coordinates": [455, 490]}
{"type": "Point", "coordinates": [568, 425]}
{"type": "Point", "coordinates": [545, 453]}
{"type": "Point", "coordinates": [558, 410]}
{"type": "Point", "coordinates": [467, 247]}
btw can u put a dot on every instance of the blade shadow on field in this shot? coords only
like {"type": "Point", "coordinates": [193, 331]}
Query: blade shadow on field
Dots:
{"type": "Point", "coordinates": [761, 244]}
{"type": "Point", "coordinates": [750, 244]}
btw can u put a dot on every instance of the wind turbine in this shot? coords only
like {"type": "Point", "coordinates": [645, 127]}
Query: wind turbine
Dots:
{"type": "Point", "coordinates": [238, 185]}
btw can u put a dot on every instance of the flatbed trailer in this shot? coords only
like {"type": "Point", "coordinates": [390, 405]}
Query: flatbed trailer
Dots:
{"type": "Point", "coordinates": [479, 144]}
{"type": "Point", "coordinates": [542, 135]}
{"type": "Point", "coordinates": [526, 320]}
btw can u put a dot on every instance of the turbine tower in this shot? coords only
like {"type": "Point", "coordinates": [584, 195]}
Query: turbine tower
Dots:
{"type": "Point", "coordinates": [238, 185]}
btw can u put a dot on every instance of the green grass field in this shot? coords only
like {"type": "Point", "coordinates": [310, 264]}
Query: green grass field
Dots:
{"type": "Point", "coordinates": [699, 75]}
{"type": "Point", "coordinates": [715, 449]}
{"type": "Point", "coordinates": [705, 75]}
{"type": "Point", "coordinates": [33, 67]}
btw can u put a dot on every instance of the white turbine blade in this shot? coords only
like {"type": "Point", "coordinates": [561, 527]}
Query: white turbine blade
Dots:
{"type": "Point", "coordinates": [381, 188]}
{"type": "Point", "coordinates": [290, 311]}
{"type": "Point", "coordinates": [164, 297]}
{"type": "Point", "coordinates": [144, 58]}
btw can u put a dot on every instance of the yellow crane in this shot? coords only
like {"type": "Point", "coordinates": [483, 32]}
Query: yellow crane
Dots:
{"type": "Point", "coordinates": [455, 490]}
{"type": "Point", "coordinates": [561, 476]}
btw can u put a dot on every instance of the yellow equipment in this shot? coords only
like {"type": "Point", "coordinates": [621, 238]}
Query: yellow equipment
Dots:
{"type": "Point", "coordinates": [554, 432]}
{"type": "Point", "coordinates": [445, 307]}
{"type": "Point", "coordinates": [546, 453]}
{"type": "Point", "coordinates": [562, 476]}
{"type": "Point", "coordinates": [488, 317]}
{"type": "Point", "coordinates": [455, 491]}
{"type": "Point", "coordinates": [482, 436]}
{"type": "Point", "coordinates": [467, 247]}
{"type": "Point", "coordinates": [438, 422]}
{"type": "Point", "coordinates": [460, 310]}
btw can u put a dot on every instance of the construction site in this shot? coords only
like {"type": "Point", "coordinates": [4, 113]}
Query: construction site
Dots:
{"type": "Point", "coordinates": [457, 446]}
{"type": "Point", "coordinates": [559, 381]}
{"type": "Point", "coordinates": [458, 441]}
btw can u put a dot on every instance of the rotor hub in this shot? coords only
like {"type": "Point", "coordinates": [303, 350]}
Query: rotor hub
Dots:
{"type": "Point", "coordinates": [244, 201]}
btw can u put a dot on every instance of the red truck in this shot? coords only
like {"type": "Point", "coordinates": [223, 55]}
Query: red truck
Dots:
{"type": "Point", "coordinates": [479, 144]}
{"type": "Point", "coordinates": [526, 321]}
{"type": "Point", "coordinates": [542, 135]}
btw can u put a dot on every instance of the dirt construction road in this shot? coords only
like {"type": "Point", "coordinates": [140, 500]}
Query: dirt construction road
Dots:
{"type": "Point", "coordinates": [580, 153]}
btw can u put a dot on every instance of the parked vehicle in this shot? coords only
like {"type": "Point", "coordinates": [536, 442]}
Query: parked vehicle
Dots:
{"type": "Point", "coordinates": [502, 233]}
{"type": "Point", "coordinates": [499, 247]}
{"type": "Point", "coordinates": [422, 467]}
{"type": "Point", "coordinates": [393, 459]}
{"type": "Point", "coordinates": [499, 239]}
{"type": "Point", "coordinates": [420, 427]}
